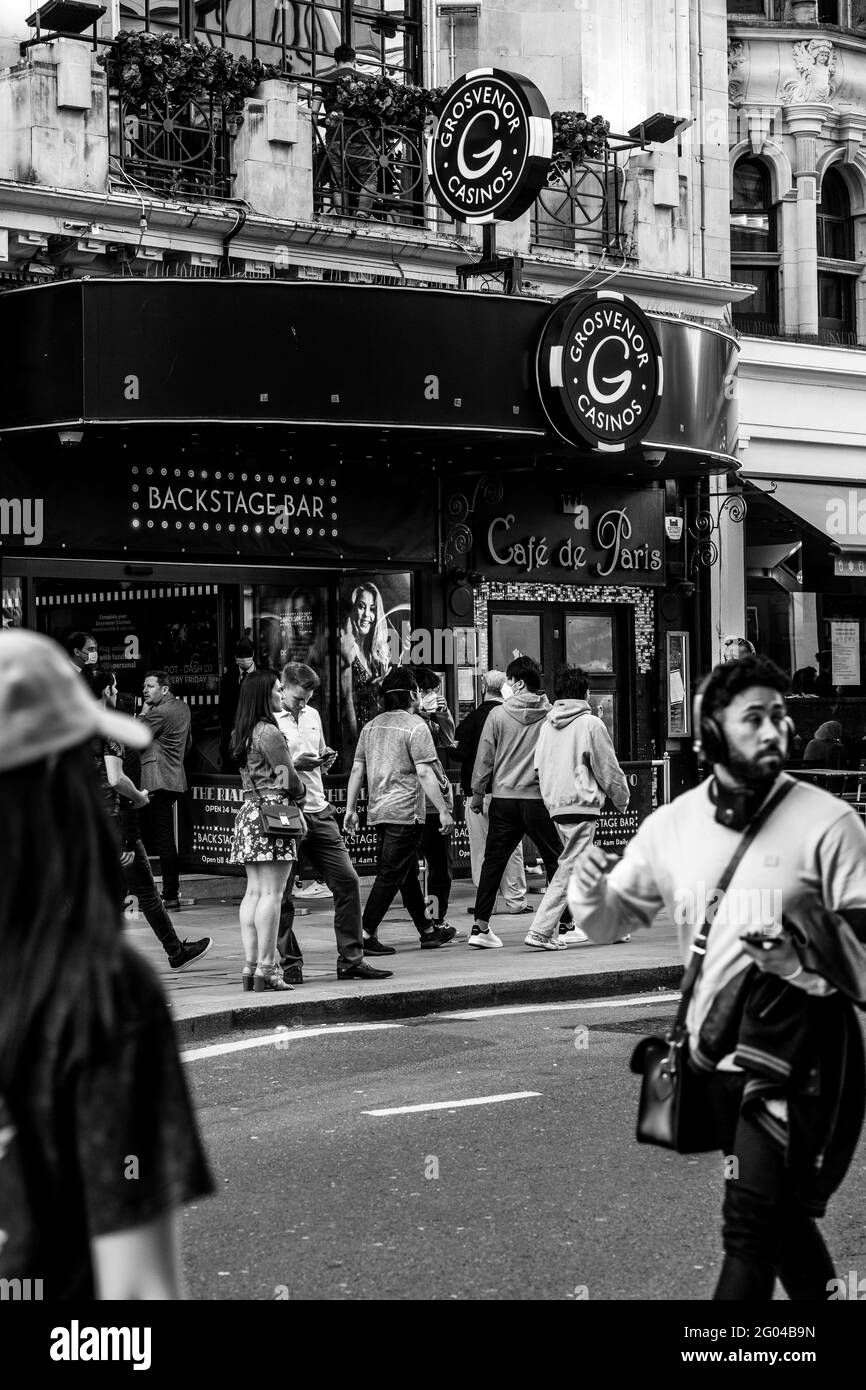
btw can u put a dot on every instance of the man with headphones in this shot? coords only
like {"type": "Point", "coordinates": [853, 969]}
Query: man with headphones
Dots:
{"type": "Point", "coordinates": [770, 1023]}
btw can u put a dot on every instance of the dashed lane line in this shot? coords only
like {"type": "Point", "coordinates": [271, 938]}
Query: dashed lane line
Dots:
{"type": "Point", "coordinates": [617, 1003]}
{"type": "Point", "coordinates": [453, 1104]}
{"type": "Point", "coordinates": [281, 1036]}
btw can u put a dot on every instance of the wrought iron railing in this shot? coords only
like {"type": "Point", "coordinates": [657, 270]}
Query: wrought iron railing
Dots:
{"type": "Point", "coordinates": [175, 147]}
{"type": "Point", "coordinates": [366, 170]}
{"type": "Point", "coordinates": [582, 206]}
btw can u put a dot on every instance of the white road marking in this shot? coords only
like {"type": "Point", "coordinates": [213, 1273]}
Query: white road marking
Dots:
{"type": "Point", "coordinates": [452, 1104]}
{"type": "Point", "coordinates": [282, 1036]}
{"type": "Point", "coordinates": [617, 1003]}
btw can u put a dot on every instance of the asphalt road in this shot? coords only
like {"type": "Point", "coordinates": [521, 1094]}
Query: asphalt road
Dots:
{"type": "Point", "coordinates": [541, 1197]}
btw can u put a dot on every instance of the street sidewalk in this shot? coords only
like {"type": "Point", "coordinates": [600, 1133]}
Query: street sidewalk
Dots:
{"type": "Point", "coordinates": [207, 1001]}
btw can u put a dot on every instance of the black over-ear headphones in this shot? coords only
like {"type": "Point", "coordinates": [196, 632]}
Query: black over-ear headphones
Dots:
{"type": "Point", "coordinates": [710, 743]}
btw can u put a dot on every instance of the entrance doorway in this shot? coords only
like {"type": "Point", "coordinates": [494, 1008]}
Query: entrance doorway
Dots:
{"type": "Point", "coordinates": [595, 636]}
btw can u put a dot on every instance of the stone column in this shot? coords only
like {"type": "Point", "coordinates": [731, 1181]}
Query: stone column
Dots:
{"type": "Point", "coordinates": [804, 122]}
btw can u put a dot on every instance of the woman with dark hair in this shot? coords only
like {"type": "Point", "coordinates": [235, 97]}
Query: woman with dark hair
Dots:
{"type": "Point", "coordinates": [90, 1078]}
{"type": "Point", "coordinates": [268, 774]}
{"type": "Point", "coordinates": [366, 656]}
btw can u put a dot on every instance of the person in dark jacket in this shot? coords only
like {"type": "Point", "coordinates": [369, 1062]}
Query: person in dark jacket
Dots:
{"type": "Point", "coordinates": [468, 736]}
{"type": "Point", "coordinates": [230, 689]}
{"type": "Point", "coordinates": [825, 748]}
{"type": "Point", "coordinates": [120, 778]}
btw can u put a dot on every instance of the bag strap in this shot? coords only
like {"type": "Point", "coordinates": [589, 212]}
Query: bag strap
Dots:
{"type": "Point", "coordinates": [699, 945]}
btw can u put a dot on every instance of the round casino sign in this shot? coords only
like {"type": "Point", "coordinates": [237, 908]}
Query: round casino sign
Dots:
{"type": "Point", "coordinates": [490, 152]}
{"type": "Point", "coordinates": [599, 371]}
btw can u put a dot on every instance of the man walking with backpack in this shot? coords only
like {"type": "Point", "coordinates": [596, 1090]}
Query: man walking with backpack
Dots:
{"type": "Point", "coordinates": [577, 770]}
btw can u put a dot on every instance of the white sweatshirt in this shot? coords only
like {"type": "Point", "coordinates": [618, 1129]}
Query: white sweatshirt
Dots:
{"type": "Point", "coordinates": [812, 845]}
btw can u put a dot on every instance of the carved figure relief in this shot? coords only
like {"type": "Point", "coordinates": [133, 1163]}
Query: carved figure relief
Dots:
{"type": "Point", "coordinates": [815, 62]}
{"type": "Point", "coordinates": [736, 76]}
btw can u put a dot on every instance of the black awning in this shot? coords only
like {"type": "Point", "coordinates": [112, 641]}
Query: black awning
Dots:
{"type": "Point", "coordinates": [314, 355]}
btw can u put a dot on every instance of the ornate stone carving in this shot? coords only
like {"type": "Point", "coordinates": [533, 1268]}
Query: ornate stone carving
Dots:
{"type": "Point", "coordinates": [815, 62]}
{"type": "Point", "coordinates": [736, 76]}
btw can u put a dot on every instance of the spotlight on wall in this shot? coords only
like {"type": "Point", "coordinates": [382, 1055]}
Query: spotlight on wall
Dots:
{"type": "Point", "coordinates": [69, 437]}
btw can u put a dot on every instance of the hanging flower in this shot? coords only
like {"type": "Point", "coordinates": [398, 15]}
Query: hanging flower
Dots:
{"type": "Point", "coordinates": [578, 137]}
{"type": "Point", "coordinates": [155, 69]}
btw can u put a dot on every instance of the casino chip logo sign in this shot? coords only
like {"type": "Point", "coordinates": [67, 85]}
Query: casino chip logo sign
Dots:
{"type": "Point", "coordinates": [489, 155]}
{"type": "Point", "coordinates": [599, 370]}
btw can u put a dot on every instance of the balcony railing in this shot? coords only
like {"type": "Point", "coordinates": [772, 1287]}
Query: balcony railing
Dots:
{"type": "Point", "coordinates": [370, 171]}
{"type": "Point", "coordinates": [175, 148]}
{"type": "Point", "coordinates": [581, 207]}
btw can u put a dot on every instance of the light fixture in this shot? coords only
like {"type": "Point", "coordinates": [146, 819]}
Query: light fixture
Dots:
{"type": "Point", "coordinates": [69, 437]}
{"type": "Point", "coordinates": [655, 457]}
{"type": "Point", "coordinates": [65, 16]}
{"type": "Point", "coordinates": [659, 128]}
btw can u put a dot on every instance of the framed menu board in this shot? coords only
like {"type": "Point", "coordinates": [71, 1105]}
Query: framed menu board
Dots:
{"type": "Point", "coordinates": [678, 679]}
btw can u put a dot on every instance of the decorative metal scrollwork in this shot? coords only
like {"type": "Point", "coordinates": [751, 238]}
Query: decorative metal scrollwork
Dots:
{"type": "Point", "coordinates": [459, 508]}
{"type": "Point", "coordinates": [705, 553]}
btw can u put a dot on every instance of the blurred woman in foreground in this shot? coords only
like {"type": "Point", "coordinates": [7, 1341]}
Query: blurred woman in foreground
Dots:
{"type": "Point", "coordinates": [100, 1141]}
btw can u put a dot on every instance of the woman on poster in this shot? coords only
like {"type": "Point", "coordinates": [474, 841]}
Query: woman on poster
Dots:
{"type": "Point", "coordinates": [365, 656]}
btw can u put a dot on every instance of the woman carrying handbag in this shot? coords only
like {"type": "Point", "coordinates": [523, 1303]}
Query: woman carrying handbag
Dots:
{"type": "Point", "coordinates": [270, 783]}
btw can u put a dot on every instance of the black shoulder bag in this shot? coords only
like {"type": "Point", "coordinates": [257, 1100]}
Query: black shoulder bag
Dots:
{"type": "Point", "coordinates": [672, 1109]}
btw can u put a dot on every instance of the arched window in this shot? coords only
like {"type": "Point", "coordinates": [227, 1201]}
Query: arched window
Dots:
{"type": "Point", "coordinates": [835, 244]}
{"type": "Point", "coordinates": [754, 249]}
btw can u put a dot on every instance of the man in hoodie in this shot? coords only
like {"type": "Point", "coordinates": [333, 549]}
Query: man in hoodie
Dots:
{"type": "Point", "coordinates": [577, 770]}
{"type": "Point", "coordinates": [505, 766]}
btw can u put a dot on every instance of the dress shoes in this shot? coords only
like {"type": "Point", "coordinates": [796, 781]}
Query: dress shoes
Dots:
{"type": "Point", "coordinates": [374, 947]}
{"type": "Point", "coordinates": [362, 971]}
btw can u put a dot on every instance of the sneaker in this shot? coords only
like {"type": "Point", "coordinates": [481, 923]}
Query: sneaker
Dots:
{"type": "Point", "coordinates": [447, 927]}
{"type": "Point", "coordinates": [312, 890]}
{"type": "Point", "coordinates": [171, 904]}
{"type": "Point", "coordinates": [541, 943]}
{"type": "Point", "coordinates": [439, 936]}
{"type": "Point", "coordinates": [190, 951]}
{"type": "Point", "coordinates": [620, 940]}
{"type": "Point", "coordinates": [572, 935]}
{"type": "Point", "coordinates": [486, 939]}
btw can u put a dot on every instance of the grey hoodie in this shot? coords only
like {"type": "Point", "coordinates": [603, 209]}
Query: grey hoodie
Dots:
{"type": "Point", "coordinates": [505, 761]}
{"type": "Point", "coordinates": [576, 763]}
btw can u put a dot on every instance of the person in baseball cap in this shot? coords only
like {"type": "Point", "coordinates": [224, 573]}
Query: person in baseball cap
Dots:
{"type": "Point", "coordinates": [46, 708]}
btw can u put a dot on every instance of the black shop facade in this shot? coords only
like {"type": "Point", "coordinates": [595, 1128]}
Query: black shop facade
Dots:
{"type": "Point", "coordinates": [431, 492]}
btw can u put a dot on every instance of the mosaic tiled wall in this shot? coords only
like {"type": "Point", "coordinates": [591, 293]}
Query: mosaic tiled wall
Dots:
{"type": "Point", "coordinates": [641, 601]}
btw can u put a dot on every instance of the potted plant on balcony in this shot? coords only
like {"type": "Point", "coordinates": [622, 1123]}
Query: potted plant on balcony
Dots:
{"type": "Point", "coordinates": [577, 137]}
{"type": "Point", "coordinates": [161, 72]}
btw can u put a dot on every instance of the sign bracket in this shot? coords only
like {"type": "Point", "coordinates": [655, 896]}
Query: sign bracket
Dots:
{"type": "Point", "coordinates": [509, 267]}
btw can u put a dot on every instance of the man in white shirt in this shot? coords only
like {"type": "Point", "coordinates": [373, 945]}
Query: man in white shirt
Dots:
{"type": "Point", "coordinates": [323, 844]}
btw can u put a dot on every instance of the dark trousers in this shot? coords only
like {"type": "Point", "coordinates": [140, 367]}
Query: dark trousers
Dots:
{"type": "Point", "coordinates": [398, 848]}
{"type": "Point", "coordinates": [139, 880]}
{"type": "Point", "coordinates": [158, 823]}
{"type": "Point", "coordinates": [436, 849]}
{"type": "Point", "coordinates": [510, 818]}
{"type": "Point", "coordinates": [766, 1230]}
{"type": "Point", "coordinates": [325, 851]}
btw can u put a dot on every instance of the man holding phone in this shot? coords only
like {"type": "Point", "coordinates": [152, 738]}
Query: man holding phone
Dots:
{"type": "Point", "coordinates": [771, 1030]}
{"type": "Point", "coordinates": [323, 844]}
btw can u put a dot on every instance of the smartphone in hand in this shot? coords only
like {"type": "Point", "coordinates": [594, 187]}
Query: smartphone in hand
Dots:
{"type": "Point", "coordinates": [767, 941]}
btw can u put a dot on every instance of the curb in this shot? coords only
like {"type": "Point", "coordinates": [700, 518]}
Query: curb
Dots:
{"type": "Point", "coordinates": [370, 1007]}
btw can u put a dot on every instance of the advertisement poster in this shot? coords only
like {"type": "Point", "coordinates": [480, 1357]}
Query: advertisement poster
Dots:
{"type": "Point", "coordinates": [616, 828]}
{"type": "Point", "coordinates": [375, 617]}
{"type": "Point", "coordinates": [679, 680]}
{"type": "Point", "coordinates": [291, 624]}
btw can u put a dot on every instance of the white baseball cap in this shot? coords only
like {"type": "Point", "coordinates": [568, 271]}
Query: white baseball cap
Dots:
{"type": "Point", "coordinates": [45, 706]}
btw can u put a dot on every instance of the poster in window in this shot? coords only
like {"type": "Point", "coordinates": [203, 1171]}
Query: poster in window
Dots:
{"type": "Point", "coordinates": [375, 618]}
{"type": "Point", "coordinates": [678, 683]}
{"type": "Point", "coordinates": [845, 653]}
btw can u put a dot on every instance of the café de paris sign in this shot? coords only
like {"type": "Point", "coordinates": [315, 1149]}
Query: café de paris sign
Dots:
{"type": "Point", "coordinates": [489, 155]}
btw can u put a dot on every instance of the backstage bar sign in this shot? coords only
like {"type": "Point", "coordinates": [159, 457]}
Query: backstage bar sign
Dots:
{"type": "Point", "coordinates": [489, 155]}
{"type": "Point", "coordinates": [240, 504]}
{"type": "Point", "coordinates": [599, 371]}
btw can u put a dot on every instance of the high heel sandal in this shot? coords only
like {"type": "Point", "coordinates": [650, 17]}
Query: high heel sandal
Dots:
{"type": "Point", "coordinates": [269, 977]}
{"type": "Point", "coordinates": [247, 976]}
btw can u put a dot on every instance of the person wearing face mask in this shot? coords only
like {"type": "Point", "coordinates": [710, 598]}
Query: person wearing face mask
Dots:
{"type": "Point", "coordinates": [775, 959]}
{"type": "Point", "coordinates": [230, 688]}
{"type": "Point", "coordinates": [82, 650]}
